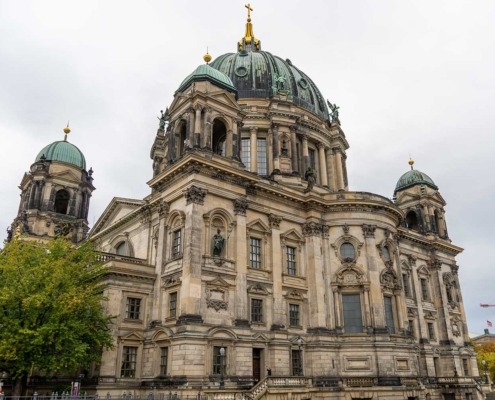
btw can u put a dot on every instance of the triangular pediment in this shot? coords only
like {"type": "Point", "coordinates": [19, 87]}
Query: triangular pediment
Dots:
{"type": "Point", "coordinates": [66, 175]}
{"type": "Point", "coordinates": [222, 97]}
{"type": "Point", "coordinates": [292, 234]}
{"type": "Point", "coordinates": [134, 335]}
{"type": "Point", "coordinates": [258, 225]}
{"type": "Point", "coordinates": [118, 209]}
{"type": "Point", "coordinates": [218, 282]}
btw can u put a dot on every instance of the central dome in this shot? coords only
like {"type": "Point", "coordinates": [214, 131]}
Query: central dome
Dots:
{"type": "Point", "coordinates": [63, 151]}
{"type": "Point", "coordinates": [257, 74]}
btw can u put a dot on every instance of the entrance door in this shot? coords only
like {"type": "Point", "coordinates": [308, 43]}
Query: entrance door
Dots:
{"type": "Point", "coordinates": [256, 365]}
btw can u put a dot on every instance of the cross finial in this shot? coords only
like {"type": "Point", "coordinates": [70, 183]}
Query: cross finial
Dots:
{"type": "Point", "coordinates": [248, 6]}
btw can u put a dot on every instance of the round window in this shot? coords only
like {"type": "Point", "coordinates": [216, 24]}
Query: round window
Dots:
{"type": "Point", "coordinates": [241, 71]}
{"type": "Point", "coordinates": [386, 253]}
{"type": "Point", "coordinates": [347, 251]}
{"type": "Point", "coordinates": [303, 83]}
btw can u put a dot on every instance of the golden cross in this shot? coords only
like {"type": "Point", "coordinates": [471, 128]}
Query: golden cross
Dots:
{"type": "Point", "coordinates": [248, 6]}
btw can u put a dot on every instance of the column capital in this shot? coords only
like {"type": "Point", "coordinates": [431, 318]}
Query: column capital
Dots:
{"type": "Point", "coordinates": [304, 137]}
{"type": "Point", "coordinates": [321, 145]}
{"type": "Point", "coordinates": [195, 195]}
{"type": "Point", "coordinates": [198, 107]}
{"type": "Point", "coordinates": [253, 129]}
{"type": "Point", "coordinates": [369, 230]}
{"type": "Point", "coordinates": [240, 206]}
{"type": "Point", "coordinates": [337, 150]}
{"type": "Point", "coordinates": [239, 123]}
{"type": "Point", "coordinates": [275, 125]}
{"type": "Point", "coordinates": [293, 128]}
{"type": "Point", "coordinates": [190, 110]}
{"type": "Point", "coordinates": [274, 221]}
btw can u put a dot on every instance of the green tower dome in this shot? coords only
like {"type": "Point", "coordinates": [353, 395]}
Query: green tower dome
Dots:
{"type": "Point", "coordinates": [63, 151]}
{"type": "Point", "coordinates": [206, 73]}
{"type": "Point", "coordinates": [414, 177]}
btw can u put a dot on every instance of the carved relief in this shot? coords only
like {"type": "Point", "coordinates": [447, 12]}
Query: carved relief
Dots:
{"type": "Point", "coordinates": [240, 206]}
{"type": "Point", "coordinates": [195, 195]}
{"type": "Point", "coordinates": [369, 230]}
{"type": "Point", "coordinates": [217, 299]}
{"type": "Point", "coordinates": [389, 279]}
{"type": "Point", "coordinates": [275, 221]}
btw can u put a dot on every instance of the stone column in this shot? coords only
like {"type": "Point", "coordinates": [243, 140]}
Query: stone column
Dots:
{"type": "Point", "coordinates": [336, 302]}
{"type": "Point", "coordinates": [443, 222]}
{"type": "Point", "coordinates": [330, 169]}
{"type": "Point", "coordinates": [208, 130]}
{"type": "Point", "coordinates": [400, 312]}
{"type": "Point", "coordinates": [314, 273]}
{"type": "Point", "coordinates": [305, 159]}
{"type": "Point", "coordinates": [293, 150]}
{"type": "Point", "coordinates": [197, 125]}
{"type": "Point", "coordinates": [157, 310]}
{"type": "Point", "coordinates": [279, 319]}
{"type": "Point", "coordinates": [323, 166]}
{"type": "Point", "coordinates": [241, 295]}
{"type": "Point", "coordinates": [190, 127]}
{"type": "Point", "coordinates": [269, 143]}
{"type": "Point", "coordinates": [327, 265]}
{"type": "Point", "coordinates": [338, 166]}
{"type": "Point", "coordinates": [39, 194]}
{"type": "Point", "coordinates": [367, 311]}
{"type": "Point", "coordinates": [229, 145]}
{"type": "Point", "coordinates": [254, 149]}
{"type": "Point", "coordinates": [376, 295]}
{"type": "Point", "coordinates": [190, 295]}
{"type": "Point", "coordinates": [276, 150]}
{"type": "Point", "coordinates": [237, 140]}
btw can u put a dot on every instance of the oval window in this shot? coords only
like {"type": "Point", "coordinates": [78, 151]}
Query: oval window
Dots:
{"type": "Point", "coordinates": [241, 71]}
{"type": "Point", "coordinates": [303, 83]}
{"type": "Point", "coordinates": [386, 253]}
{"type": "Point", "coordinates": [347, 251]}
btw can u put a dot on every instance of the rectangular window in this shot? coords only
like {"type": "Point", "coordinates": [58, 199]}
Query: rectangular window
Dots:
{"type": "Point", "coordinates": [296, 362]}
{"type": "Point", "coordinates": [436, 365]}
{"type": "Point", "coordinates": [424, 289]}
{"type": "Point", "coordinates": [262, 158]}
{"type": "Point", "coordinates": [411, 327]}
{"type": "Point", "coordinates": [256, 310]}
{"type": "Point", "coordinates": [389, 314]}
{"type": "Point", "coordinates": [431, 331]}
{"type": "Point", "coordinates": [312, 158]}
{"type": "Point", "coordinates": [163, 361]}
{"type": "Point", "coordinates": [172, 304]}
{"type": "Point", "coordinates": [405, 282]}
{"type": "Point", "coordinates": [176, 242]}
{"type": "Point", "coordinates": [246, 153]}
{"type": "Point", "coordinates": [254, 253]}
{"type": "Point", "coordinates": [294, 315]}
{"type": "Point", "coordinates": [353, 321]}
{"type": "Point", "coordinates": [465, 366]}
{"type": "Point", "coordinates": [132, 308]}
{"type": "Point", "coordinates": [219, 362]}
{"type": "Point", "coordinates": [291, 260]}
{"type": "Point", "coordinates": [129, 356]}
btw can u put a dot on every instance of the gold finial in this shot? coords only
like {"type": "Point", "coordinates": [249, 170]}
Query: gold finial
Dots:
{"type": "Point", "coordinates": [249, 35]}
{"type": "Point", "coordinates": [66, 131]}
{"type": "Point", "coordinates": [207, 57]}
{"type": "Point", "coordinates": [411, 162]}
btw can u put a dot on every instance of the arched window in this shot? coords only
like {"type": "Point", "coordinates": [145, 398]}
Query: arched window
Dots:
{"type": "Point", "coordinates": [437, 223]}
{"type": "Point", "coordinates": [412, 221]}
{"type": "Point", "coordinates": [347, 251]}
{"type": "Point", "coordinates": [386, 253]}
{"type": "Point", "coordinates": [120, 249]}
{"type": "Point", "coordinates": [219, 137]}
{"type": "Point", "coordinates": [181, 146]}
{"type": "Point", "coordinates": [62, 201]}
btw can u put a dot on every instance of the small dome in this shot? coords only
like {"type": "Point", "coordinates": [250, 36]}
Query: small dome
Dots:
{"type": "Point", "coordinates": [206, 73]}
{"type": "Point", "coordinates": [414, 177]}
{"type": "Point", "coordinates": [64, 152]}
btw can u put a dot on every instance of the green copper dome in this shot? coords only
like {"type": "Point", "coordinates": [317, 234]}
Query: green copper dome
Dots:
{"type": "Point", "coordinates": [259, 74]}
{"type": "Point", "coordinates": [64, 152]}
{"type": "Point", "coordinates": [414, 177]}
{"type": "Point", "coordinates": [206, 73]}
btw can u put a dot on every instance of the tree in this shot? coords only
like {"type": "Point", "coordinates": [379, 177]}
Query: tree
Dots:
{"type": "Point", "coordinates": [485, 351]}
{"type": "Point", "coordinates": [51, 309]}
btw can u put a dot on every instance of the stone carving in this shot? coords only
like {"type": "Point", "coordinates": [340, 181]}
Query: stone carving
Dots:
{"type": "Point", "coordinates": [310, 176]}
{"type": "Point", "coordinates": [9, 234]}
{"type": "Point", "coordinates": [218, 244]}
{"type": "Point", "coordinates": [274, 221]}
{"type": "Point", "coordinates": [240, 206]}
{"type": "Point", "coordinates": [454, 268]}
{"type": "Point", "coordinates": [312, 229]}
{"type": "Point", "coordinates": [349, 275]}
{"type": "Point", "coordinates": [24, 223]}
{"type": "Point", "coordinates": [430, 315]}
{"type": "Point", "coordinates": [345, 228]}
{"type": "Point", "coordinates": [434, 264]}
{"type": "Point", "coordinates": [335, 111]}
{"type": "Point", "coordinates": [412, 259]}
{"type": "Point", "coordinates": [162, 119]}
{"type": "Point", "coordinates": [195, 195]}
{"type": "Point", "coordinates": [389, 279]}
{"type": "Point", "coordinates": [63, 230]}
{"type": "Point", "coordinates": [216, 299]}
{"type": "Point", "coordinates": [162, 208]}
{"type": "Point", "coordinates": [145, 217]}
{"type": "Point", "coordinates": [455, 324]}
{"type": "Point", "coordinates": [325, 230]}
{"type": "Point", "coordinates": [411, 312]}
{"type": "Point", "coordinates": [279, 86]}
{"type": "Point", "coordinates": [369, 230]}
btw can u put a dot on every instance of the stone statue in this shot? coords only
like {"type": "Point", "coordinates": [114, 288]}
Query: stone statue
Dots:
{"type": "Point", "coordinates": [162, 120]}
{"type": "Point", "coordinates": [310, 176]}
{"type": "Point", "coordinates": [9, 234]}
{"type": "Point", "coordinates": [218, 243]}
{"type": "Point", "coordinates": [335, 111]}
{"type": "Point", "coordinates": [279, 83]}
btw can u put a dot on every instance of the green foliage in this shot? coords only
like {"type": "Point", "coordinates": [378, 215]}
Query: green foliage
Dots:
{"type": "Point", "coordinates": [485, 351]}
{"type": "Point", "coordinates": [51, 307]}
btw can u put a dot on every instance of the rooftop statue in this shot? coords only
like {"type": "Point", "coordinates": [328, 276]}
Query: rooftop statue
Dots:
{"type": "Point", "coordinates": [162, 119]}
{"type": "Point", "coordinates": [310, 176]}
{"type": "Point", "coordinates": [335, 111]}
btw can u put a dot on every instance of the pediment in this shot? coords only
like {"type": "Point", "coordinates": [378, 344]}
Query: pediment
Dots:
{"type": "Point", "coordinates": [222, 97]}
{"type": "Point", "coordinates": [132, 336]}
{"type": "Point", "coordinates": [292, 234]}
{"type": "Point", "coordinates": [294, 294]}
{"type": "Point", "coordinates": [257, 288]}
{"type": "Point", "coordinates": [162, 334]}
{"type": "Point", "coordinates": [118, 209]}
{"type": "Point", "coordinates": [258, 225]}
{"type": "Point", "coordinates": [67, 175]}
{"type": "Point", "coordinates": [260, 337]}
{"type": "Point", "coordinates": [218, 282]}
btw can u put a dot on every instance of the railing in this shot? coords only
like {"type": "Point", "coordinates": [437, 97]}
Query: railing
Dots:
{"type": "Point", "coordinates": [105, 257]}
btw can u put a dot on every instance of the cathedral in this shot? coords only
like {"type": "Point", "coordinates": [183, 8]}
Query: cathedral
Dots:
{"type": "Point", "coordinates": [251, 271]}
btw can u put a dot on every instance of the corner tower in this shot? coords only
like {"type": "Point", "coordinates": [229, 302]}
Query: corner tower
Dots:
{"type": "Point", "coordinates": [55, 194]}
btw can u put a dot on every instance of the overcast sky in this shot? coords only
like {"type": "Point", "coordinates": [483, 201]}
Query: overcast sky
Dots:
{"type": "Point", "coordinates": [410, 77]}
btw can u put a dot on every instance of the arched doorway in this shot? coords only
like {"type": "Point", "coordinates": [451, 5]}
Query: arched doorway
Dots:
{"type": "Point", "coordinates": [182, 137]}
{"type": "Point", "coordinates": [412, 221]}
{"type": "Point", "coordinates": [62, 201]}
{"type": "Point", "coordinates": [219, 137]}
